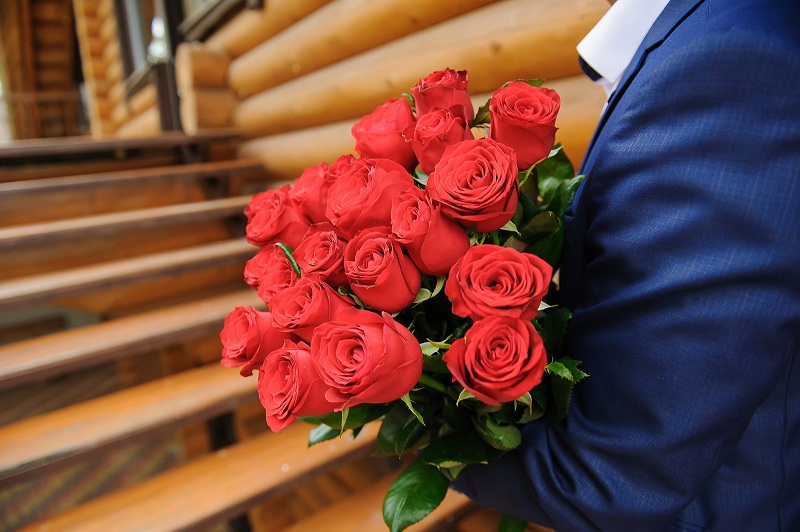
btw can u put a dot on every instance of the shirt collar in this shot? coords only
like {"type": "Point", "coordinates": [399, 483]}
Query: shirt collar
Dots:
{"type": "Point", "coordinates": [612, 43]}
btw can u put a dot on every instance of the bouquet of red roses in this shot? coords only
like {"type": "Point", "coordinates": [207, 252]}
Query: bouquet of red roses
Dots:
{"type": "Point", "coordinates": [412, 286]}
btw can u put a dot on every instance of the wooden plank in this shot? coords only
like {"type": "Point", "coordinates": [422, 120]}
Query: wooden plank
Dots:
{"type": "Point", "coordinates": [184, 171]}
{"type": "Point", "coordinates": [101, 224]}
{"type": "Point", "coordinates": [493, 43]}
{"type": "Point", "coordinates": [34, 170]}
{"type": "Point", "coordinates": [63, 352]}
{"type": "Point", "coordinates": [32, 445]}
{"type": "Point", "coordinates": [215, 487]}
{"type": "Point", "coordinates": [204, 108]}
{"type": "Point", "coordinates": [84, 145]}
{"type": "Point", "coordinates": [38, 288]}
{"type": "Point", "coordinates": [197, 66]}
{"type": "Point", "coordinates": [364, 511]}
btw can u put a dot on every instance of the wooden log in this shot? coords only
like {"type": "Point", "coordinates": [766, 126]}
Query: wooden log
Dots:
{"type": "Point", "coordinates": [144, 99]}
{"type": "Point", "coordinates": [145, 124]}
{"type": "Point", "coordinates": [495, 43]}
{"type": "Point", "coordinates": [338, 30]}
{"type": "Point", "coordinates": [197, 66]}
{"type": "Point", "coordinates": [108, 28]}
{"type": "Point", "coordinates": [286, 155]}
{"type": "Point", "coordinates": [206, 108]}
{"type": "Point", "coordinates": [252, 27]}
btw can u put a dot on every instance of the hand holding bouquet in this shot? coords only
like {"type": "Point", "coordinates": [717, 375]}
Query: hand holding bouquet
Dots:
{"type": "Point", "coordinates": [412, 286]}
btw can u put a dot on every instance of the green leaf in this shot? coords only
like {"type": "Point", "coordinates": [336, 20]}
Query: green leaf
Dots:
{"type": "Point", "coordinates": [501, 437]}
{"type": "Point", "coordinates": [287, 251]}
{"type": "Point", "coordinates": [464, 395]}
{"type": "Point", "coordinates": [509, 226]}
{"type": "Point", "coordinates": [553, 171]}
{"type": "Point", "coordinates": [557, 368]}
{"type": "Point", "coordinates": [420, 177]}
{"type": "Point", "coordinates": [322, 433]}
{"type": "Point", "coordinates": [399, 431]}
{"type": "Point", "coordinates": [407, 401]}
{"type": "Point", "coordinates": [565, 374]}
{"type": "Point", "coordinates": [481, 116]}
{"type": "Point", "coordinates": [551, 325]}
{"type": "Point", "coordinates": [418, 490]}
{"type": "Point", "coordinates": [423, 295]}
{"type": "Point", "coordinates": [509, 523]}
{"type": "Point", "coordinates": [540, 226]}
{"type": "Point", "coordinates": [357, 416]}
{"type": "Point", "coordinates": [458, 418]}
{"type": "Point", "coordinates": [428, 348]}
{"type": "Point", "coordinates": [456, 449]}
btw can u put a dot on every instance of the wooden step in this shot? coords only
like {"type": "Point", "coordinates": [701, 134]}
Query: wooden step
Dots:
{"type": "Point", "coordinates": [175, 172]}
{"type": "Point", "coordinates": [67, 351]}
{"type": "Point", "coordinates": [38, 288]}
{"type": "Point", "coordinates": [102, 224]}
{"type": "Point", "coordinates": [215, 487]}
{"type": "Point", "coordinates": [77, 146]}
{"type": "Point", "coordinates": [364, 511]}
{"type": "Point", "coordinates": [30, 446]}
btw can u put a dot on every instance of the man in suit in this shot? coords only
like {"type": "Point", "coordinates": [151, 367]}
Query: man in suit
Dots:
{"type": "Point", "coordinates": [682, 269]}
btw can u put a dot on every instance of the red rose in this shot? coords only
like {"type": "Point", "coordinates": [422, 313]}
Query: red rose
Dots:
{"type": "Point", "coordinates": [445, 88]}
{"type": "Point", "coordinates": [379, 135]}
{"type": "Point", "coordinates": [433, 132]}
{"type": "Point", "coordinates": [322, 253]}
{"type": "Point", "coordinates": [492, 280]}
{"type": "Point", "coordinates": [433, 240]}
{"type": "Point", "coordinates": [380, 274]}
{"type": "Point", "coordinates": [268, 272]}
{"type": "Point", "coordinates": [362, 195]}
{"type": "Point", "coordinates": [524, 117]}
{"type": "Point", "coordinates": [274, 218]}
{"type": "Point", "coordinates": [310, 192]}
{"type": "Point", "coordinates": [476, 183]}
{"type": "Point", "coordinates": [365, 358]}
{"type": "Point", "coordinates": [289, 386]}
{"type": "Point", "coordinates": [308, 303]}
{"type": "Point", "coordinates": [248, 336]}
{"type": "Point", "coordinates": [499, 359]}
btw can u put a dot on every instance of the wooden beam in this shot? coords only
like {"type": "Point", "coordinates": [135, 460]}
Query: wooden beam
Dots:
{"type": "Point", "coordinates": [198, 66]}
{"type": "Point", "coordinates": [336, 31]}
{"type": "Point", "coordinates": [251, 27]}
{"type": "Point", "coordinates": [495, 44]}
{"type": "Point", "coordinates": [206, 108]}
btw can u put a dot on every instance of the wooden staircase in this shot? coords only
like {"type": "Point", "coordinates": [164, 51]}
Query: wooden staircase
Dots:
{"type": "Point", "coordinates": [114, 282]}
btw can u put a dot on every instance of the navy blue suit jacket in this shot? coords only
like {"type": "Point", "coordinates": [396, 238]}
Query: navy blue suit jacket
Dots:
{"type": "Point", "coordinates": [682, 268]}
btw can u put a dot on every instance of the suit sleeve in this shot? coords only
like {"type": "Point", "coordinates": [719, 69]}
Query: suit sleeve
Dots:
{"type": "Point", "coordinates": [691, 307]}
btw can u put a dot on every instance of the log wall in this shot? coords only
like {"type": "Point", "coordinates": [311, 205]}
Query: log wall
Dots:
{"type": "Point", "coordinates": [110, 112]}
{"type": "Point", "coordinates": [296, 75]}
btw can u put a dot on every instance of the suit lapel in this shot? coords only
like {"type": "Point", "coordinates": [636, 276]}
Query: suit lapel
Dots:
{"type": "Point", "coordinates": [675, 12]}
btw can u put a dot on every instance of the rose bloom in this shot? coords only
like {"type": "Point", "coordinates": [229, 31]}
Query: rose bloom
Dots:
{"type": "Point", "coordinates": [444, 88]}
{"type": "Point", "coordinates": [309, 192]}
{"type": "Point", "coordinates": [248, 336]}
{"type": "Point", "coordinates": [379, 135]}
{"type": "Point", "coordinates": [380, 274]}
{"type": "Point", "coordinates": [475, 182]}
{"type": "Point", "coordinates": [322, 253]}
{"type": "Point", "coordinates": [499, 359]}
{"type": "Point", "coordinates": [433, 240]}
{"type": "Point", "coordinates": [362, 195]}
{"type": "Point", "coordinates": [433, 132]}
{"type": "Point", "coordinates": [524, 117]}
{"type": "Point", "coordinates": [493, 280]}
{"type": "Point", "coordinates": [268, 272]}
{"type": "Point", "coordinates": [274, 218]}
{"type": "Point", "coordinates": [309, 302]}
{"type": "Point", "coordinates": [289, 386]}
{"type": "Point", "coordinates": [365, 357]}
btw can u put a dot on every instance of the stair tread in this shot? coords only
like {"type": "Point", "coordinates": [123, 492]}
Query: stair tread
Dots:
{"type": "Point", "coordinates": [37, 288]}
{"type": "Point", "coordinates": [215, 487]}
{"type": "Point", "coordinates": [364, 511]}
{"type": "Point", "coordinates": [117, 221]}
{"type": "Point", "coordinates": [55, 437]}
{"type": "Point", "coordinates": [66, 351]}
{"type": "Point", "coordinates": [183, 171]}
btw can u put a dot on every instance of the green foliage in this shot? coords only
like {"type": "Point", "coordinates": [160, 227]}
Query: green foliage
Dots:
{"type": "Point", "coordinates": [401, 429]}
{"type": "Point", "coordinates": [356, 416]}
{"type": "Point", "coordinates": [418, 490]}
{"type": "Point", "coordinates": [511, 524]}
{"type": "Point", "coordinates": [287, 251]}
